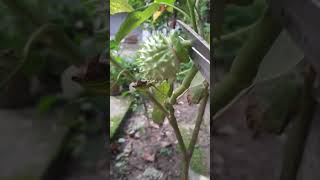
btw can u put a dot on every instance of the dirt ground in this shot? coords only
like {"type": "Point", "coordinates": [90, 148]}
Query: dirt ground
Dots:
{"type": "Point", "coordinates": [237, 154]}
{"type": "Point", "coordinates": [146, 145]}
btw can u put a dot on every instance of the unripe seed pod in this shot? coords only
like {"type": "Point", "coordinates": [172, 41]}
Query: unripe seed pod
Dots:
{"type": "Point", "coordinates": [160, 56]}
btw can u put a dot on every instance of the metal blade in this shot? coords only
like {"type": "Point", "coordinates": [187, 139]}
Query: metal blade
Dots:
{"type": "Point", "coordinates": [200, 51]}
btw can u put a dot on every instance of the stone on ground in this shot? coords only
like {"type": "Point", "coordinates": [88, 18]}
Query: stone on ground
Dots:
{"type": "Point", "coordinates": [119, 106]}
{"type": "Point", "coordinates": [196, 176]}
{"type": "Point", "coordinates": [151, 174]}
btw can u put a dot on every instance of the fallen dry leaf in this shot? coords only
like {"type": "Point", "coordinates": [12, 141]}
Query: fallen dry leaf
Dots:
{"type": "Point", "coordinates": [165, 144]}
{"type": "Point", "coordinates": [149, 157]}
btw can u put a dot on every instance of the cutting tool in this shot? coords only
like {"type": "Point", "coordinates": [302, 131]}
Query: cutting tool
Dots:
{"type": "Point", "coordinates": [200, 54]}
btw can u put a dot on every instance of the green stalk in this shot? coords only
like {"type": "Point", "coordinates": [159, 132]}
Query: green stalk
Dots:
{"type": "Point", "coordinates": [185, 84]}
{"type": "Point", "coordinates": [297, 134]}
{"type": "Point", "coordinates": [185, 157]}
{"type": "Point", "coordinates": [247, 62]}
{"type": "Point", "coordinates": [193, 71]}
{"type": "Point", "coordinates": [174, 124]}
{"type": "Point", "coordinates": [199, 119]}
{"type": "Point", "coordinates": [235, 34]}
{"type": "Point", "coordinates": [192, 15]}
{"type": "Point", "coordinates": [199, 19]}
{"type": "Point", "coordinates": [56, 37]}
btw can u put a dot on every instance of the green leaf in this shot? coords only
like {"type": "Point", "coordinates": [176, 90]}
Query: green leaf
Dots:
{"type": "Point", "coordinates": [198, 79]}
{"type": "Point", "coordinates": [161, 93]}
{"type": "Point", "coordinates": [120, 6]}
{"type": "Point", "coordinates": [195, 94]}
{"type": "Point", "coordinates": [134, 20]}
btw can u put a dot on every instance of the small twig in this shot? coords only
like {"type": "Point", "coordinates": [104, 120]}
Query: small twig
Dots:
{"type": "Point", "coordinates": [192, 15]}
{"type": "Point", "coordinates": [245, 66]}
{"type": "Point", "coordinates": [174, 124]}
{"type": "Point", "coordinates": [119, 66]}
{"type": "Point", "coordinates": [235, 34]}
{"type": "Point", "coordinates": [118, 77]}
{"type": "Point", "coordinates": [200, 20]}
{"type": "Point", "coordinates": [199, 120]}
{"type": "Point", "coordinates": [298, 133]}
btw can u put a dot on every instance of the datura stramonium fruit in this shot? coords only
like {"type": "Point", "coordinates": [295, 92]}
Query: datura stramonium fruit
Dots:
{"type": "Point", "coordinates": [160, 56]}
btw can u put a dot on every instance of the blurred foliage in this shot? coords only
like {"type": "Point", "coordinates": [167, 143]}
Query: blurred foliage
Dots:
{"type": "Point", "coordinates": [164, 22]}
{"type": "Point", "coordinates": [184, 67]}
{"type": "Point", "coordinates": [86, 24]}
{"type": "Point", "coordinates": [117, 76]}
{"type": "Point", "coordinates": [237, 18]}
{"type": "Point", "coordinates": [82, 22]}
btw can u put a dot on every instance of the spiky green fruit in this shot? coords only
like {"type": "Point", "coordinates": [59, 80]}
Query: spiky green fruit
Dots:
{"type": "Point", "coordinates": [160, 56]}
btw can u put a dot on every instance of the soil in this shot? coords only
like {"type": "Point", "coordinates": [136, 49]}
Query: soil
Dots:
{"type": "Point", "coordinates": [91, 164]}
{"type": "Point", "coordinates": [238, 154]}
{"type": "Point", "coordinates": [144, 145]}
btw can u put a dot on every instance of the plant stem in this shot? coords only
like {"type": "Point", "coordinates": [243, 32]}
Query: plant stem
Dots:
{"type": "Point", "coordinates": [185, 169]}
{"type": "Point", "coordinates": [235, 34]}
{"type": "Point", "coordinates": [199, 19]}
{"type": "Point", "coordinates": [185, 158]}
{"type": "Point", "coordinates": [297, 134]}
{"type": "Point", "coordinates": [174, 124]}
{"type": "Point", "coordinates": [199, 120]}
{"type": "Point", "coordinates": [185, 84]}
{"type": "Point", "coordinates": [192, 15]}
{"type": "Point", "coordinates": [171, 84]}
{"type": "Point", "coordinates": [193, 71]}
{"type": "Point", "coordinates": [245, 66]}
{"type": "Point", "coordinates": [172, 119]}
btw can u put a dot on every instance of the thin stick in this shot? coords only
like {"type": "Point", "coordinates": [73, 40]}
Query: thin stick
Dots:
{"type": "Point", "coordinates": [199, 120]}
